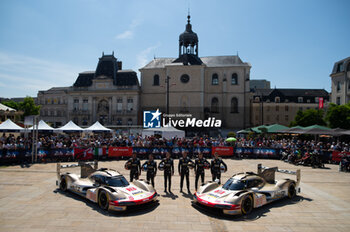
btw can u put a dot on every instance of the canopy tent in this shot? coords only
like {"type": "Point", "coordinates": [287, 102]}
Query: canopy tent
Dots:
{"type": "Point", "coordinates": [9, 126]}
{"type": "Point", "coordinates": [70, 127]}
{"type": "Point", "coordinates": [274, 128]}
{"type": "Point", "coordinates": [97, 127]}
{"type": "Point", "coordinates": [42, 126]}
{"type": "Point", "coordinates": [6, 108]}
{"type": "Point", "coordinates": [167, 132]}
{"type": "Point", "coordinates": [290, 130]}
{"type": "Point", "coordinates": [312, 130]}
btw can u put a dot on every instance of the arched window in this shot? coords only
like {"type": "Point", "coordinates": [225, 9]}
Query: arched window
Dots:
{"type": "Point", "coordinates": [129, 122]}
{"type": "Point", "coordinates": [234, 79]}
{"type": "Point", "coordinates": [156, 80]}
{"type": "Point", "coordinates": [215, 79]}
{"type": "Point", "coordinates": [234, 105]}
{"type": "Point", "coordinates": [214, 105]}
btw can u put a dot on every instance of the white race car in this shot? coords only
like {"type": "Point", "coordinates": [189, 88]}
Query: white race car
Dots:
{"type": "Point", "coordinates": [245, 191]}
{"type": "Point", "coordinates": [104, 186]}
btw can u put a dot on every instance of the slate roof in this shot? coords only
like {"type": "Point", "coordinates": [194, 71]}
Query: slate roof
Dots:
{"type": "Point", "coordinates": [291, 94]}
{"type": "Point", "coordinates": [341, 66]}
{"type": "Point", "coordinates": [210, 61]}
{"type": "Point", "coordinates": [188, 59]}
{"type": "Point", "coordinates": [107, 67]}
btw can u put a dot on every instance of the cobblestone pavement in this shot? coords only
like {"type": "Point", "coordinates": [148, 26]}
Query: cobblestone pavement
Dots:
{"type": "Point", "coordinates": [30, 201]}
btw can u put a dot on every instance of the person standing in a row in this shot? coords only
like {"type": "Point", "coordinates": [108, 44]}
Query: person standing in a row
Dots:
{"type": "Point", "coordinates": [151, 169]}
{"type": "Point", "coordinates": [135, 167]}
{"type": "Point", "coordinates": [199, 165]}
{"type": "Point", "coordinates": [215, 167]}
{"type": "Point", "coordinates": [168, 165]}
{"type": "Point", "coordinates": [183, 167]}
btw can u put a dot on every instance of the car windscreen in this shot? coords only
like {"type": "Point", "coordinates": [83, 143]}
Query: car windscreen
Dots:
{"type": "Point", "coordinates": [117, 181]}
{"type": "Point", "coordinates": [233, 184]}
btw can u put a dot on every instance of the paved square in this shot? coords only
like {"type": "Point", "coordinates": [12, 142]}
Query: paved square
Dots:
{"type": "Point", "coordinates": [30, 201]}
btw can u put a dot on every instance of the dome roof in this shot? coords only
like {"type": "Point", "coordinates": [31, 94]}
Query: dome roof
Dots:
{"type": "Point", "coordinates": [188, 36]}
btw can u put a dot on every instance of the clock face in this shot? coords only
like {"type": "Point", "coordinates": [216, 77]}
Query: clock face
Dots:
{"type": "Point", "coordinates": [185, 78]}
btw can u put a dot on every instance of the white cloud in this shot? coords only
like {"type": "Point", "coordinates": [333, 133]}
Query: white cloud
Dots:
{"type": "Point", "coordinates": [129, 33]}
{"type": "Point", "coordinates": [23, 75]}
{"type": "Point", "coordinates": [145, 56]}
{"type": "Point", "coordinates": [125, 35]}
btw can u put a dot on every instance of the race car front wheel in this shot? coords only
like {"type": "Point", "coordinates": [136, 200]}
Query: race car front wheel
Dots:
{"type": "Point", "coordinates": [291, 191]}
{"type": "Point", "coordinates": [247, 204]}
{"type": "Point", "coordinates": [103, 200]}
{"type": "Point", "coordinates": [63, 184]}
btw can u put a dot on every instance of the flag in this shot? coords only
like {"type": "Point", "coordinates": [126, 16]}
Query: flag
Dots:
{"type": "Point", "coordinates": [320, 103]}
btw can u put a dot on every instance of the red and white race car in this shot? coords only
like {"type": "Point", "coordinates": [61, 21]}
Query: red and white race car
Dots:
{"type": "Point", "coordinates": [245, 191]}
{"type": "Point", "coordinates": [106, 187]}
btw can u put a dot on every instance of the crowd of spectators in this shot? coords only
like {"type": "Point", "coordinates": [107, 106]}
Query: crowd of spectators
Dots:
{"type": "Point", "coordinates": [12, 142]}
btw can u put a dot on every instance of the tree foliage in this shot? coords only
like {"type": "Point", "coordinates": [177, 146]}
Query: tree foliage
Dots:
{"type": "Point", "coordinates": [339, 116]}
{"type": "Point", "coordinates": [308, 118]}
{"type": "Point", "coordinates": [27, 106]}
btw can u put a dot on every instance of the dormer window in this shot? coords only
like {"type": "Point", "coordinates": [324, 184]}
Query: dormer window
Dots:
{"type": "Point", "coordinates": [277, 99]}
{"type": "Point", "coordinates": [300, 100]}
{"type": "Point", "coordinates": [257, 99]}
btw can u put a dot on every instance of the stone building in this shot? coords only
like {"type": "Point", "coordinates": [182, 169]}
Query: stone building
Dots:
{"type": "Point", "coordinates": [109, 95]}
{"type": "Point", "coordinates": [213, 86]}
{"type": "Point", "coordinates": [341, 82]}
{"type": "Point", "coordinates": [270, 106]}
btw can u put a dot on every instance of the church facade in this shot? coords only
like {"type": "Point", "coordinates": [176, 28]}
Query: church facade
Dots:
{"type": "Point", "coordinates": [213, 86]}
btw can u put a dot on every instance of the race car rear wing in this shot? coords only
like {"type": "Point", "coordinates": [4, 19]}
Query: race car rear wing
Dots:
{"type": "Point", "coordinates": [86, 168]}
{"type": "Point", "coordinates": [269, 173]}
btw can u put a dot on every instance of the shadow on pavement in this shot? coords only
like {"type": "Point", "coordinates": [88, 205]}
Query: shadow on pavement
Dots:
{"type": "Point", "coordinates": [130, 211]}
{"type": "Point", "coordinates": [254, 215]}
{"type": "Point", "coordinates": [170, 195]}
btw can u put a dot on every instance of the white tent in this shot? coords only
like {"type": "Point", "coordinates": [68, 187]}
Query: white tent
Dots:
{"type": "Point", "coordinates": [6, 108]}
{"type": "Point", "coordinates": [167, 132]}
{"type": "Point", "coordinates": [42, 126]}
{"type": "Point", "coordinates": [70, 127]}
{"type": "Point", "coordinates": [9, 126]}
{"type": "Point", "coordinates": [97, 127]}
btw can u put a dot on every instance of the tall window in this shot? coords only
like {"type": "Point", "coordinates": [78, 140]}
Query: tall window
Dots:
{"type": "Point", "coordinates": [130, 104]}
{"type": "Point", "coordinates": [119, 121]}
{"type": "Point", "coordinates": [286, 108]}
{"type": "Point", "coordinates": [156, 80]}
{"type": "Point", "coordinates": [76, 104]}
{"type": "Point", "coordinates": [214, 105]}
{"type": "Point", "coordinates": [338, 100]}
{"type": "Point", "coordinates": [215, 79]}
{"type": "Point", "coordinates": [234, 105]}
{"type": "Point", "coordinates": [85, 104]}
{"type": "Point", "coordinates": [338, 86]}
{"type": "Point", "coordinates": [234, 79]}
{"type": "Point", "coordinates": [119, 104]}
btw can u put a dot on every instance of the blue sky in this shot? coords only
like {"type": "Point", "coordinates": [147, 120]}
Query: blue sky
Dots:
{"type": "Point", "coordinates": [46, 43]}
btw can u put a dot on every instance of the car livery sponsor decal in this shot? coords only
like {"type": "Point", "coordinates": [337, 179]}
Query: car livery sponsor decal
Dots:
{"type": "Point", "coordinates": [212, 195]}
{"type": "Point", "coordinates": [137, 193]}
{"type": "Point", "coordinates": [219, 191]}
{"type": "Point", "coordinates": [130, 189]}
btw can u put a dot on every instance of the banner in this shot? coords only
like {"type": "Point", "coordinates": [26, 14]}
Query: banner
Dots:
{"type": "Point", "coordinates": [337, 156]}
{"type": "Point", "coordinates": [119, 151]}
{"type": "Point", "coordinates": [222, 151]}
{"type": "Point", "coordinates": [83, 153]}
{"type": "Point", "coordinates": [102, 151]}
{"type": "Point", "coordinates": [320, 103]}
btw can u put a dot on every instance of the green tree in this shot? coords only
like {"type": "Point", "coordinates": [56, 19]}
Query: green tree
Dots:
{"type": "Point", "coordinates": [28, 107]}
{"type": "Point", "coordinates": [339, 116]}
{"type": "Point", "coordinates": [308, 118]}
